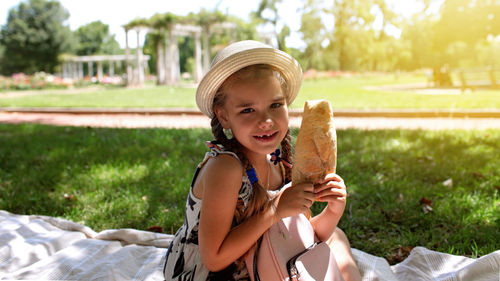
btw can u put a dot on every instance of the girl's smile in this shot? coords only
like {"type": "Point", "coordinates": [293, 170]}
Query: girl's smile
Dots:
{"type": "Point", "coordinates": [257, 114]}
{"type": "Point", "coordinates": [267, 137]}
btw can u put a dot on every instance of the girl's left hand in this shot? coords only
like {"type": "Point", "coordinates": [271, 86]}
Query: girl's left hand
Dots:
{"type": "Point", "coordinates": [332, 190]}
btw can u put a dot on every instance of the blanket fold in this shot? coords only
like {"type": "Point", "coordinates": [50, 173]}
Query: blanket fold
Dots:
{"type": "Point", "coordinates": [48, 248]}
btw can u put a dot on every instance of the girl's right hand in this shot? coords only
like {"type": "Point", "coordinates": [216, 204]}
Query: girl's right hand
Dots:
{"type": "Point", "coordinates": [295, 199]}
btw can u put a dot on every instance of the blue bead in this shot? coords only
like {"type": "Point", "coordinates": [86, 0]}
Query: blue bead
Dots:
{"type": "Point", "coordinates": [252, 176]}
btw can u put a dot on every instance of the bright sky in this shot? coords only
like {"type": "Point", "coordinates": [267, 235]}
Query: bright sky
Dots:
{"type": "Point", "coordinates": [117, 13]}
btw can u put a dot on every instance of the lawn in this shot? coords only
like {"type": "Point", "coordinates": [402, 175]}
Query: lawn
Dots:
{"type": "Point", "coordinates": [344, 93]}
{"type": "Point", "coordinates": [139, 178]}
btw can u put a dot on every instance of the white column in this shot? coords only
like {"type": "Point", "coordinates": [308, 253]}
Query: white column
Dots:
{"type": "Point", "coordinates": [172, 60]}
{"type": "Point", "coordinates": [168, 58]}
{"type": "Point", "coordinates": [80, 70]}
{"type": "Point", "coordinates": [145, 66]}
{"type": "Point", "coordinates": [99, 71]}
{"type": "Point", "coordinates": [111, 68]}
{"type": "Point", "coordinates": [127, 60]}
{"type": "Point", "coordinates": [176, 61]}
{"type": "Point", "coordinates": [206, 49]}
{"type": "Point", "coordinates": [139, 66]}
{"type": "Point", "coordinates": [70, 70]}
{"type": "Point", "coordinates": [74, 70]}
{"type": "Point", "coordinates": [160, 61]}
{"type": "Point", "coordinates": [198, 70]}
{"type": "Point", "coordinates": [64, 70]}
{"type": "Point", "coordinates": [91, 70]}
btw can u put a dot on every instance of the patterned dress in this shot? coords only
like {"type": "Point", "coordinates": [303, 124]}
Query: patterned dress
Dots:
{"type": "Point", "coordinates": [183, 261]}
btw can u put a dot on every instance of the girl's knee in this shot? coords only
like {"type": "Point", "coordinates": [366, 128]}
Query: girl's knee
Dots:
{"type": "Point", "coordinates": [338, 236]}
{"type": "Point", "coordinates": [343, 255]}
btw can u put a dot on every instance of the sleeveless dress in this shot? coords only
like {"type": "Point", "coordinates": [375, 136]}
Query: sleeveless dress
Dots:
{"type": "Point", "coordinates": [183, 261]}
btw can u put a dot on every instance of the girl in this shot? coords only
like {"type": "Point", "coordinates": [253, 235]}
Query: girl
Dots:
{"type": "Point", "coordinates": [232, 200]}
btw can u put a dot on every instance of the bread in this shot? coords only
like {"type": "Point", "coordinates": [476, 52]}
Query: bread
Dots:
{"type": "Point", "coordinates": [316, 147]}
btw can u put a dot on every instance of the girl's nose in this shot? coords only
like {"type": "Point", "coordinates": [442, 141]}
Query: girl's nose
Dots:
{"type": "Point", "coordinates": [266, 122]}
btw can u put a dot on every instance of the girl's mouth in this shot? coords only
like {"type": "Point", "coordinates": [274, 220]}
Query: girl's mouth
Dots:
{"type": "Point", "coordinates": [266, 137]}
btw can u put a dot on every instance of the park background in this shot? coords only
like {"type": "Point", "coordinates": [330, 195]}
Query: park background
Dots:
{"type": "Point", "coordinates": [437, 189]}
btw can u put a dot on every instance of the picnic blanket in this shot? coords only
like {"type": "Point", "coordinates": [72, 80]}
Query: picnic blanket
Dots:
{"type": "Point", "coordinates": [48, 248]}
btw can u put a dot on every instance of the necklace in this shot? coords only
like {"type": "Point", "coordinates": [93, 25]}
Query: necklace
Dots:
{"type": "Point", "coordinates": [268, 176]}
{"type": "Point", "coordinates": [268, 173]}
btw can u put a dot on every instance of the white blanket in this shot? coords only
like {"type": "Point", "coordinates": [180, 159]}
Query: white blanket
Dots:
{"type": "Point", "coordinates": [47, 248]}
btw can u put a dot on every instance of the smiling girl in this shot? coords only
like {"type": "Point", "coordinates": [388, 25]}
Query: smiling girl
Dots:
{"type": "Point", "coordinates": [233, 196]}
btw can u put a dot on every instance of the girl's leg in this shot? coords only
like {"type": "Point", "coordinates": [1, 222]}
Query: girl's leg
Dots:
{"type": "Point", "coordinates": [341, 248]}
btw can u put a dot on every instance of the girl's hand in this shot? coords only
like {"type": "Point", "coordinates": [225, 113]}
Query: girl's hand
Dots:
{"type": "Point", "coordinates": [295, 200]}
{"type": "Point", "coordinates": [332, 190]}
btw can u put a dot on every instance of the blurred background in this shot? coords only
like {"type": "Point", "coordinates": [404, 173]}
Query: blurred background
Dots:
{"type": "Point", "coordinates": [448, 41]}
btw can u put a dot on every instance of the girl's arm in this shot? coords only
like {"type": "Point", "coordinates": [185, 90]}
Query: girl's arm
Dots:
{"type": "Point", "coordinates": [332, 190]}
{"type": "Point", "coordinates": [219, 244]}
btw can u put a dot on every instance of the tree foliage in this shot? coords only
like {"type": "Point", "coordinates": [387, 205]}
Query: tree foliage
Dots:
{"type": "Point", "coordinates": [268, 13]}
{"type": "Point", "coordinates": [338, 35]}
{"type": "Point", "coordinates": [460, 34]}
{"type": "Point", "coordinates": [34, 36]}
{"type": "Point", "coordinates": [94, 38]}
{"type": "Point", "coordinates": [468, 21]}
{"type": "Point", "coordinates": [313, 34]}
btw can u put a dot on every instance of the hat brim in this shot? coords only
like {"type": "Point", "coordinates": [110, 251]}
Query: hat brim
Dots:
{"type": "Point", "coordinates": [283, 62]}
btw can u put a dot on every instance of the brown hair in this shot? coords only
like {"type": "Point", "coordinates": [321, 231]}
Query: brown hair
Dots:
{"type": "Point", "coordinates": [260, 199]}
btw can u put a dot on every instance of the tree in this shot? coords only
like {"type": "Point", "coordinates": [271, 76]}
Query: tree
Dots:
{"type": "Point", "coordinates": [34, 36]}
{"type": "Point", "coordinates": [418, 34]}
{"type": "Point", "coordinates": [313, 34]}
{"type": "Point", "coordinates": [269, 7]}
{"type": "Point", "coordinates": [354, 40]}
{"type": "Point", "coordinates": [94, 38]}
{"type": "Point", "coordinates": [468, 21]}
{"type": "Point", "coordinates": [345, 13]}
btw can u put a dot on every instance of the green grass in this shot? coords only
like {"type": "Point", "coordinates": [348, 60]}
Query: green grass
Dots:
{"type": "Point", "coordinates": [352, 93]}
{"type": "Point", "coordinates": [138, 178]}
{"type": "Point", "coordinates": [344, 93]}
{"type": "Point", "coordinates": [149, 96]}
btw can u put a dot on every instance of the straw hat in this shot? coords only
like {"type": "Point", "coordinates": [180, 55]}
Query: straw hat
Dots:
{"type": "Point", "coordinates": [239, 55]}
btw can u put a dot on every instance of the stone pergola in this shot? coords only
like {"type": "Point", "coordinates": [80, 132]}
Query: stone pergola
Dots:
{"type": "Point", "coordinates": [167, 63]}
{"type": "Point", "coordinates": [207, 30]}
{"type": "Point", "coordinates": [168, 68]}
{"type": "Point", "coordinates": [137, 64]}
{"type": "Point", "coordinates": [72, 67]}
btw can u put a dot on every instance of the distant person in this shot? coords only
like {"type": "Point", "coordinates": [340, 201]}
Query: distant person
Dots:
{"type": "Point", "coordinates": [232, 200]}
{"type": "Point", "coordinates": [428, 74]}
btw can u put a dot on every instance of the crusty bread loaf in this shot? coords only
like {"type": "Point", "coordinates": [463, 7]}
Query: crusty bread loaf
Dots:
{"type": "Point", "coordinates": [316, 146]}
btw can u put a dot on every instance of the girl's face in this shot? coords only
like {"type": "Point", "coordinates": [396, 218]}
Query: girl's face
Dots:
{"type": "Point", "coordinates": [257, 114]}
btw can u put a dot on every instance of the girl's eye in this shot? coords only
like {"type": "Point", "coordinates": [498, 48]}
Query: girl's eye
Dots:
{"type": "Point", "coordinates": [247, 110]}
{"type": "Point", "coordinates": [276, 105]}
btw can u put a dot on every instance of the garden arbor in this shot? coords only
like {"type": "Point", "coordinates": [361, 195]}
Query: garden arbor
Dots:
{"type": "Point", "coordinates": [166, 28]}
{"type": "Point", "coordinates": [73, 67]}
{"type": "Point", "coordinates": [167, 63]}
{"type": "Point", "coordinates": [135, 65]}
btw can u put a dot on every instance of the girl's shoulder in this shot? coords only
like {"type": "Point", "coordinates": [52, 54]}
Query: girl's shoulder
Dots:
{"type": "Point", "coordinates": [218, 154]}
{"type": "Point", "coordinates": [220, 173]}
{"type": "Point", "coordinates": [223, 164]}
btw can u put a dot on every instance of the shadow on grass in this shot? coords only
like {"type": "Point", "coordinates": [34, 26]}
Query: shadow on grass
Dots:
{"type": "Point", "coordinates": [138, 178]}
{"type": "Point", "coordinates": [106, 178]}
{"type": "Point", "coordinates": [390, 172]}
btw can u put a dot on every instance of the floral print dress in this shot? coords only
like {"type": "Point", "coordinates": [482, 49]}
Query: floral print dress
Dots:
{"type": "Point", "coordinates": [183, 261]}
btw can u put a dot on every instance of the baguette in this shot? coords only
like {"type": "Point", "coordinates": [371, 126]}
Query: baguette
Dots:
{"type": "Point", "coordinates": [315, 153]}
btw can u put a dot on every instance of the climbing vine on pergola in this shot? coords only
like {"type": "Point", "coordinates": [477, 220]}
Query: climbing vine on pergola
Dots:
{"type": "Point", "coordinates": [164, 29]}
